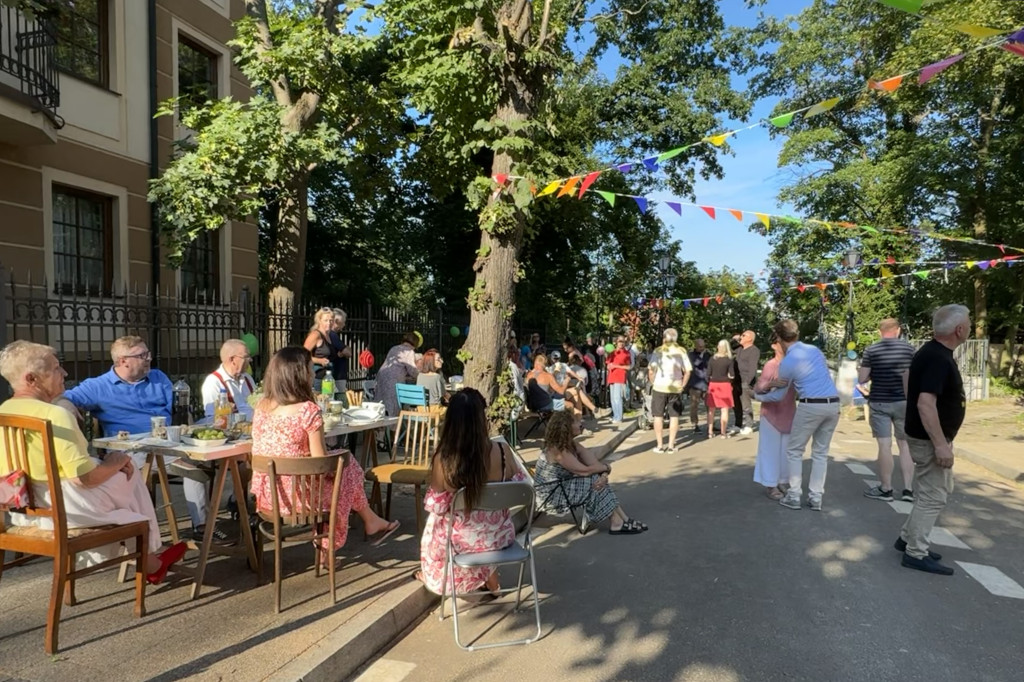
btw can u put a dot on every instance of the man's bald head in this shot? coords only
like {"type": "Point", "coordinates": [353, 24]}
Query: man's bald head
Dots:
{"type": "Point", "coordinates": [889, 328]}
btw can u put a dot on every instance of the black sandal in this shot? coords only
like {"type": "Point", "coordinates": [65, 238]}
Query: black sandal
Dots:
{"type": "Point", "coordinates": [630, 527]}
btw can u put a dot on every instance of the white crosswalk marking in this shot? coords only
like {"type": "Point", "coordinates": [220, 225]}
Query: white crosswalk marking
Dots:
{"type": "Point", "coordinates": [942, 536]}
{"type": "Point", "coordinates": [901, 507]}
{"type": "Point", "coordinates": [860, 469]}
{"type": "Point", "coordinates": [386, 670]}
{"type": "Point", "coordinates": [857, 442]}
{"type": "Point", "coordinates": [871, 483]}
{"type": "Point", "coordinates": [993, 580]}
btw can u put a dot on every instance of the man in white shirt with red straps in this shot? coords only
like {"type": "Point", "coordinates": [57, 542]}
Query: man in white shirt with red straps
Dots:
{"type": "Point", "coordinates": [231, 378]}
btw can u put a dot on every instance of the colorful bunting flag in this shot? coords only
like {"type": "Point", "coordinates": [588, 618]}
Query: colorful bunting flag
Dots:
{"type": "Point", "coordinates": [624, 167]}
{"type": "Point", "coordinates": [822, 107]}
{"type": "Point", "coordinates": [706, 299]}
{"type": "Point", "coordinates": [888, 85]}
{"type": "Point", "coordinates": [718, 140]}
{"type": "Point", "coordinates": [866, 228]}
{"type": "Point", "coordinates": [551, 187]}
{"type": "Point", "coordinates": [686, 304]}
{"type": "Point", "coordinates": [922, 274]}
{"type": "Point", "coordinates": [870, 281]}
{"type": "Point", "coordinates": [782, 120]}
{"type": "Point", "coordinates": [642, 203]}
{"type": "Point", "coordinates": [718, 299]}
{"type": "Point", "coordinates": [675, 206]}
{"type": "Point", "coordinates": [500, 178]}
{"type": "Point", "coordinates": [608, 196]}
{"type": "Point", "coordinates": [1015, 48]}
{"type": "Point", "coordinates": [1017, 36]}
{"type": "Point", "coordinates": [886, 272]}
{"type": "Point", "coordinates": [932, 70]}
{"type": "Point", "coordinates": [912, 6]}
{"type": "Point", "coordinates": [765, 219]}
{"type": "Point", "coordinates": [651, 164]}
{"type": "Point", "coordinates": [971, 264]}
{"type": "Point", "coordinates": [587, 182]}
{"type": "Point", "coordinates": [979, 32]}
{"type": "Point", "coordinates": [983, 265]}
{"type": "Point", "coordinates": [665, 156]}
{"type": "Point", "coordinates": [709, 210]}
{"type": "Point", "coordinates": [569, 186]}
{"type": "Point", "coordinates": [738, 215]}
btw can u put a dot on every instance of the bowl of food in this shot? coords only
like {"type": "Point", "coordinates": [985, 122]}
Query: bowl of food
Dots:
{"type": "Point", "coordinates": [205, 437]}
{"type": "Point", "coordinates": [336, 407]}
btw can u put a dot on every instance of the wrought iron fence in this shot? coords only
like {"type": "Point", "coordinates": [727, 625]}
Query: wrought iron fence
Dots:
{"type": "Point", "coordinates": [972, 358]}
{"type": "Point", "coordinates": [27, 57]}
{"type": "Point", "coordinates": [185, 338]}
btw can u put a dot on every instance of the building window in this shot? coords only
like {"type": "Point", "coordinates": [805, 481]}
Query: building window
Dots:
{"type": "Point", "coordinates": [197, 74]}
{"type": "Point", "coordinates": [82, 41]}
{"type": "Point", "coordinates": [200, 269]}
{"type": "Point", "coordinates": [82, 242]}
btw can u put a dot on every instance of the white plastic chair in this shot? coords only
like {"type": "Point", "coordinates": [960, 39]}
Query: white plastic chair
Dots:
{"type": "Point", "coordinates": [509, 495]}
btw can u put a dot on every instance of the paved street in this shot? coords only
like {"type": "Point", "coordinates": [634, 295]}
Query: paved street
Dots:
{"type": "Point", "coordinates": [730, 586]}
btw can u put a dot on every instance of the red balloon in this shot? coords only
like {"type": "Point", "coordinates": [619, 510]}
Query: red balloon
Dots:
{"type": "Point", "coordinates": [366, 359]}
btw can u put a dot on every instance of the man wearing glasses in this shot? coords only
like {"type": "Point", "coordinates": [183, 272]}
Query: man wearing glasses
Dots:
{"type": "Point", "coordinates": [125, 398]}
{"type": "Point", "coordinates": [231, 378]}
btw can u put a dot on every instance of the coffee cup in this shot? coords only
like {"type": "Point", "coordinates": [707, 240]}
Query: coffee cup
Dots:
{"type": "Point", "coordinates": [174, 434]}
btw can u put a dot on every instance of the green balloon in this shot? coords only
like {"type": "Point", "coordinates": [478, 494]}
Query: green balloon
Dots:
{"type": "Point", "coordinates": [609, 347]}
{"type": "Point", "coordinates": [454, 331]}
{"type": "Point", "coordinates": [252, 344]}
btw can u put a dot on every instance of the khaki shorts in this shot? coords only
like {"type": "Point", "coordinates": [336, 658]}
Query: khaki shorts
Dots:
{"type": "Point", "coordinates": [887, 419]}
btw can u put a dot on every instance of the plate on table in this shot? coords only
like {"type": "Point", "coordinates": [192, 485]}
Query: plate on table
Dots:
{"type": "Point", "coordinates": [203, 442]}
{"type": "Point", "coordinates": [363, 415]}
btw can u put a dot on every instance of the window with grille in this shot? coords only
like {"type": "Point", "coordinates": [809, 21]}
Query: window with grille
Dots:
{"type": "Point", "coordinates": [197, 74]}
{"type": "Point", "coordinates": [200, 269]}
{"type": "Point", "coordinates": [82, 242]}
{"type": "Point", "coordinates": [83, 45]}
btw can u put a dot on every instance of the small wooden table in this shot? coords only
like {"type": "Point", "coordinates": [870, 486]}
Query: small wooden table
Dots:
{"type": "Point", "coordinates": [228, 457]}
{"type": "Point", "coordinates": [369, 440]}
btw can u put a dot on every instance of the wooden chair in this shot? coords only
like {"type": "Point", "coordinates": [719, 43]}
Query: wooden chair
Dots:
{"type": "Point", "coordinates": [416, 433]}
{"type": "Point", "coordinates": [61, 543]}
{"type": "Point", "coordinates": [411, 395]}
{"type": "Point", "coordinates": [306, 519]}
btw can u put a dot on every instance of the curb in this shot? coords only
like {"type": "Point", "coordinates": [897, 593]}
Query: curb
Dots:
{"type": "Point", "coordinates": [1009, 471]}
{"type": "Point", "coordinates": [338, 655]}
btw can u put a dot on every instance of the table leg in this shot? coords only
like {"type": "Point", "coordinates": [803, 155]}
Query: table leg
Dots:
{"type": "Point", "coordinates": [244, 529]}
{"type": "Point", "coordinates": [211, 523]}
{"type": "Point", "coordinates": [165, 490]}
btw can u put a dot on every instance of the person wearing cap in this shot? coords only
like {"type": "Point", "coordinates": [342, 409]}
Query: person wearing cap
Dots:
{"type": "Point", "coordinates": [816, 417]}
{"type": "Point", "coordinates": [399, 367]}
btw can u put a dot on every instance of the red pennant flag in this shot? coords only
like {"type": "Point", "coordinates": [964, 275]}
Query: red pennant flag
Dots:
{"type": "Point", "coordinates": [718, 299]}
{"type": "Point", "coordinates": [710, 211]}
{"type": "Point", "coordinates": [706, 302]}
{"type": "Point", "coordinates": [533, 189]}
{"type": "Point", "coordinates": [890, 260]}
{"type": "Point", "coordinates": [500, 178]}
{"type": "Point", "coordinates": [994, 262]}
{"type": "Point", "coordinates": [1014, 48]}
{"type": "Point", "coordinates": [1002, 248]}
{"type": "Point", "coordinates": [588, 181]}
{"type": "Point", "coordinates": [800, 288]}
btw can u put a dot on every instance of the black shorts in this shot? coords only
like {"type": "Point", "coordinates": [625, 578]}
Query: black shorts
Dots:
{"type": "Point", "coordinates": [660, 400]}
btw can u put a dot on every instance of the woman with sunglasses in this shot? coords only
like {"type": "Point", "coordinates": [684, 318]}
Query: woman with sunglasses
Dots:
{"type": "Point", "coordinates": [318, 343]}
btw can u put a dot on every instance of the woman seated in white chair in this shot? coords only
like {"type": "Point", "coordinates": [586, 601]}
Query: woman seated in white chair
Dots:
{"type": "Point", "coordinates": [96, 493]}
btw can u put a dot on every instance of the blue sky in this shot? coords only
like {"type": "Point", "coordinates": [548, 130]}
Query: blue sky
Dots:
{"type": "Point", "coordinates": [751, 180]}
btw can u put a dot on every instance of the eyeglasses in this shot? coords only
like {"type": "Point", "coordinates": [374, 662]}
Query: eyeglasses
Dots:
{"type": "Point", "coordinates": [244, 357]}
{"type": "Point", "coordinates": [140, 356]}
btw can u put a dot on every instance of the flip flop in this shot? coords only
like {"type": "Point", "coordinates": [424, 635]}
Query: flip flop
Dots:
{"type": "Point", "coordinates": [383, 535]}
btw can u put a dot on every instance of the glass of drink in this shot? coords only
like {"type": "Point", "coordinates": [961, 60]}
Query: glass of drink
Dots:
{"type": "Point", "coordinates": [158, 427]}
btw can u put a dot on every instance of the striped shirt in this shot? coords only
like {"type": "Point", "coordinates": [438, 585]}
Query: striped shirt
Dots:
{"type": "Point", "coordinates": [887, 359]}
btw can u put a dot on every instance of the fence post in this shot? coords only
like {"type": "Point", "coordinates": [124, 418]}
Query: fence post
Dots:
{"type": "Point", "coordinates": [5, 389]}
{"type": "Point", "coordinates": [440, 332]}
{"type": "Point", "coordinates": [369, 329]}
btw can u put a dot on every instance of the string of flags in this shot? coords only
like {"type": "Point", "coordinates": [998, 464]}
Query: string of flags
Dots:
{"type": "Point", "coordinates": [767, 219]}
{"type": "Point", "coordinates": [885, 275]}
{"type": "Point", "coordinates": [915, 6]}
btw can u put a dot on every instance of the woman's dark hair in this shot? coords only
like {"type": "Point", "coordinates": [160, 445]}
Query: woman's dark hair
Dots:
{"type": "Point", "coordinates": [465, 445]}
{"type": "Point", "coordinates": [411, 339]}
{"type": "Point", "coordinates": [288, 379]}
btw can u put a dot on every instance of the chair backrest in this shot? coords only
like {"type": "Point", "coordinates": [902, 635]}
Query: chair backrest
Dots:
{"type": "Point", "coordinates": [537, 399]}
{"type": "Point", "coordinates": [411, 394]}
{"type": "Point", "coordinates": [369, 389]}
{"type": "Point", "coordinates": [17, 434]}
{"type": "Point", "coordinates": [307, 502]}
{"type": "Point", "coordinates": [511, 495]}
{"type": "Point", "coordinates": [416, 433]}
{"type": "Point", "coordinates": [355, 398]}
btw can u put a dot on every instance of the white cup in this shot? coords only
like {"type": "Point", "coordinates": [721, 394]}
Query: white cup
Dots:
{"type": "Point", "coordinates": [174, 434]}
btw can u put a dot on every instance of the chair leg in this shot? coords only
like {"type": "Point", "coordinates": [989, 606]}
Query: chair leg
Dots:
{"type": "Point", "coordinates": [122, 572]}
{"type": "Point", "coordinates": [142, 548]}
{"type": "Point", "coordinates": [387, 507]}
{"type": "Point", "coordinates": [419, 508]}
{"type": "Point", "coordinates": [331, 569]}
{"type": "Point", "coordinates": [69, 587]}
{"type": "Point", "coordinates": [277, 573]}
{"type": "Point", "coordinates": [56, 596]}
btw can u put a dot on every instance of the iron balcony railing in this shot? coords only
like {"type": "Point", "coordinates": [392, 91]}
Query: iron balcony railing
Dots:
{"type": "Point", "coordinates": [27, 63]}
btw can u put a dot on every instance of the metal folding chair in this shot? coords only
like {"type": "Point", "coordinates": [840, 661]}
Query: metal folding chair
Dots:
{"type": "Point", "coordinates": [510, 495]}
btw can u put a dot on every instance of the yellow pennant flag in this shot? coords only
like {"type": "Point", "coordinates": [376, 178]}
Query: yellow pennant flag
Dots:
{"type": "Point", "coordinates": [551, 187]}
{"type": "Point", "coordinates": [978, 31]}
{"type": "Point", "coordinates": [822, 107]}
{"type": "Point", "coordinates": [886, 272]}
{"type": "Point", "coordinates": [570, 185]}
{"type": "Point", "coordinates": [718, 140]}
{"type": "Point", "coordinates": [764, 218]}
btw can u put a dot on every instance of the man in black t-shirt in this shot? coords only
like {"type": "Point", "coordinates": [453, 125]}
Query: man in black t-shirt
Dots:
{"type": "Point", "coordinates": [935, 410]}
{"type": "Point", "coordinates": [746, 358]}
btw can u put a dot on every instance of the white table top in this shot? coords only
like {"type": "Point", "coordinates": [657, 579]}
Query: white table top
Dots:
{"type": "Point", "coordinates": [341, 429]}
{"type": "Point", "coordinates": [142, 441]}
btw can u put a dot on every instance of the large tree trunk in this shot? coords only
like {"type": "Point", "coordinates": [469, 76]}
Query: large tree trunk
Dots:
{"type": "Point", "coordinates": [288, 263]}
{"type": "Point", "coordinates": [987, 125]}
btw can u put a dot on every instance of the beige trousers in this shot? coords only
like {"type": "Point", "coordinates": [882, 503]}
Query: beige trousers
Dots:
{"type": "Point", "coordinates": [932, 487]}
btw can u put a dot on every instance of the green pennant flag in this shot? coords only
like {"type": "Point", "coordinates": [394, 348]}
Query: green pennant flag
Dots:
{"type": "Point", "coordinates": [868, 228]}
{"type": "Point", "coordinates": [870, 281]}
{"type": "Point", "coordinates": [608, 196]}
{"type": "Point", "coordinates": [923, 274]}
{"type": "Point", "coordinates": [782, 120]}
{"type": "Point", "coordinates": [912, 6]}
{"type": "Point", "coordinates": [672, 153]}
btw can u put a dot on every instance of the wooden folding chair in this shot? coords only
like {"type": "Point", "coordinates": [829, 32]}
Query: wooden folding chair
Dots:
{"type": "Point", "coordinates": [304, 519]}
{"type": "Point", "coordinates": [17, 434]}
{"type": "Point", "coordinates": [416, 433]}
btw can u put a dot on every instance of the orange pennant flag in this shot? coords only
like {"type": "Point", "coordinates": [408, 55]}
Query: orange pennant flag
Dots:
{"type": "Point", "coordinates": [888, 85]}
{"type": "Point", "coordinates": [570, 185]}
{"type": "Point", "coordinates": [709, 210]}
{"type": "Point", "coordinates": [718, 298]}
{"type": "Point", "coordinates": [738, 215]}
{"type": "Point", "coordinates": [587, 182]}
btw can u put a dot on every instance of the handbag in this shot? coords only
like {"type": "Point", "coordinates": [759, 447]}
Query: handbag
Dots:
{"type": "Point", "coordinates": [14, 492]}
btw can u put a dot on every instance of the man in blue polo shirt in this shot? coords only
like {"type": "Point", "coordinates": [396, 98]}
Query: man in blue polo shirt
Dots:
{"type": "Point", "coordinates": [125, 398]}
{"type": "Point", "coordinates": [817, 413]}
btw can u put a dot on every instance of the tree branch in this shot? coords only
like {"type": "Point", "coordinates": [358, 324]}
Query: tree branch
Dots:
{"type": "Point", "coordinates": [257, 9]}
{"type": "Point", "coordinates": [544, 23]}
{"type": "Point", "coordinates": [612, 15]}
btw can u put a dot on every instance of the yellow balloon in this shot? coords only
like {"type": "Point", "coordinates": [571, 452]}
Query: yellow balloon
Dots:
{"type": "Point", "coordinates": [851, 345]}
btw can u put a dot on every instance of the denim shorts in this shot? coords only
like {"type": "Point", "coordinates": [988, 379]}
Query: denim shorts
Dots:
{"type": "Point", "coordinates": [887, 419]}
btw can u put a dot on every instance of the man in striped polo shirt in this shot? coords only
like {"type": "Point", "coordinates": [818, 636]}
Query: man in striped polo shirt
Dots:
{"type": "Point", "coordinates": [884, 363]}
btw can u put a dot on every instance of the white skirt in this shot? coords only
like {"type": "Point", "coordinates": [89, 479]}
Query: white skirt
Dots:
{"type": "Point", "coordinates": [771, 467]}
{"type": "Point", "coordinates": [118, 500]}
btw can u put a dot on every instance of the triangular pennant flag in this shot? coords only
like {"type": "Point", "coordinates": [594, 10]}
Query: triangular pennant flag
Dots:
{"type": "Point", "coordinates": [888, 85]}
{"type": "Point", "coordinates": [822, 107]}
{"type": "Point", "coordinates": [651, 163]}
{"type": "Point", "coordinates": [932, 70]}
{"type": "Point", "coordinates": [983, 265]}
{"type": "Point", "coordinates": [738, 215]}
{"type": "Point", "coordinates": [608, 196]}
{"type": "Point", "coordinates": [1017, 36]}
{"type": "Point", "coordinates": [923, 274]}
{"type": "Point", "coordinates": [677, 207]}
{"type": "Point", "coordinates": [642, 203]}
{"type": "Point", "coordinates": [500, 178]}
{"type": "Point", "coordinates": [821, 285]}
{"type": "Point", "coordinates": [624, 167]}
{"type": "Point", "coordinates": [782, 120]}
{"type": "Point", "coordinates": [994, 262]}
{"type": "Point", "coordinates": [533, 189]}
{"type": "Point", "coordinates": [672, 153]}
{"type": "Point", "coordinates": [800, 288]}
{"type": "Point", "coordinates": [552, 186]}
{"type": "Point", "coordinates": [1015, 48]}
{"type": "Point", "coordinates": [912, 6]}
{"type": "Point", "coordinates": [718, 140]}
{"type": "Point", "coordinates": [977, 31]}
{"type": "Point", "coordinates": [890, 260]}
{"type": "Point", "coordinates": [1002, 248]}
{"type": "Point", "coordinates": [706, 302]}
{"type": "Point", "coordinates": [886, 272]}
{"type": "Point", "coordinates": [870, 281]}
{"type": "Point", "coordinates": [569, 186]}
{"type": "Point", "coordinates": [718, 299]}
{"type": "Point", "coordinates": [867, 228]}
{"type": "Point", "coordinates": [587, 182]}
{"type": "Point", "coordinates": [765, 219]}
{"type": "Point", "coordinates": [709, 210]}
{"type": "Point", "coordinates": [686, 304]}
{"type": "Point", "coordinates": [971, 264]}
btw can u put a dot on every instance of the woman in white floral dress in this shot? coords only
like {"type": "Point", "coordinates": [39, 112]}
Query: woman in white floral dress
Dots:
{"type": "Point", "coordinates": [467, 458]}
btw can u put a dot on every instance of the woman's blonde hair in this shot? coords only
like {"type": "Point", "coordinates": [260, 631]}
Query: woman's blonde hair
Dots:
{"type": "Point", "coordinates": [558, 431]}
{"type": "Point", "coordinates": [321, 314]}
{"type": "Point", "coordinates": [724, 350]}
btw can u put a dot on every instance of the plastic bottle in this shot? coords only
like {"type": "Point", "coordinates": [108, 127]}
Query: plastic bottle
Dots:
{"type": "Point", "coordinates": [222, 410]}
{"type": "Point", "coordinates": [181, 403]}
{"type": "Point", "coordinates": [327, 385]}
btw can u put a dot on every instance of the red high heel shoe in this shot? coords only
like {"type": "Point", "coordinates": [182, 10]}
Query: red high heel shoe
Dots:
{"type": "Point", "coordinates": [171, 555]}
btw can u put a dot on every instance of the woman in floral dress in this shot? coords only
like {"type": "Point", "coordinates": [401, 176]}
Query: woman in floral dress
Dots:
{"type": "Point", "coordinates": [398, 368]}
{"type": "Point", "coordinates": [467, 458]}
{"type": "Point", "coordinates": [287, 423]}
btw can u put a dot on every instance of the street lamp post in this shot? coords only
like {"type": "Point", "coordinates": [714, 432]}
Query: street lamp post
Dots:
{"type": "Point", "coordinates": [851, 260]}
{"type": "Point", "coordinates": [668, 282]}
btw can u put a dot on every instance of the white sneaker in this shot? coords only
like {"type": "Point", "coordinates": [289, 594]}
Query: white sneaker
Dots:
{"type": "Point", "coordinates": [746, 431]}
{"type": "Point", "coordinates": [791, 500]}
{"type": "Point", "coordinates": [659, 450]}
